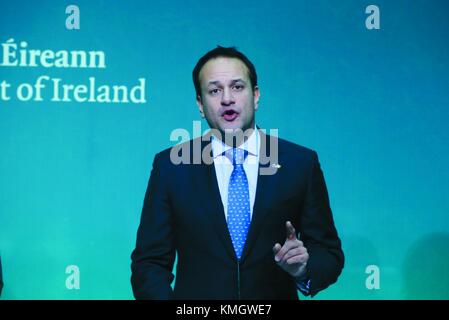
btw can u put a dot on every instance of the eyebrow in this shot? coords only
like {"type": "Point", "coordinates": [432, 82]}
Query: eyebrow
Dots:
{"type": "Point", "coordinates": [232, 81]}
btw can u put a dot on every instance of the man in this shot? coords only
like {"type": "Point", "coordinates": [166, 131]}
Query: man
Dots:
{"type": "Point", "coordinates": [233, 227]}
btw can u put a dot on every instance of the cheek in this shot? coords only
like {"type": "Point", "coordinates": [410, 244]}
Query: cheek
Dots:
{"type": "Point", "coordinates": [248, 100]}
{"type": "Point", "coordinates": [211, 109]}
{"type": "Point", "coordinates": [249, 106]}
{"type": "Point", "coordinates": [207, 105]}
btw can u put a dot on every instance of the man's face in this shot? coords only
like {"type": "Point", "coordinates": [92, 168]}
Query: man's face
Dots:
{"type": "Point", "coordinates": [227, 100]}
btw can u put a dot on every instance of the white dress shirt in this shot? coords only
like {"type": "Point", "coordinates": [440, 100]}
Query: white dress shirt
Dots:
{"type": "Point", "coordinates": [224, 167]}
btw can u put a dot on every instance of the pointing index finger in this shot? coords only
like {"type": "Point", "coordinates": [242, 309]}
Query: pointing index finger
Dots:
{"type": "Point", "coordinates": [291, 233]}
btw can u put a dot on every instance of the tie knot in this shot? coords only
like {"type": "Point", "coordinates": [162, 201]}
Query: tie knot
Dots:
{"type": "Point", "coordinates": [236, 155]}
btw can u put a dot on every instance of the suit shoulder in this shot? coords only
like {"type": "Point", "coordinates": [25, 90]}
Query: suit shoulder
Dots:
{"type": "Point", "coordinates": [164, 157]}
{"type": "Point", "coordinates": [295, 149]}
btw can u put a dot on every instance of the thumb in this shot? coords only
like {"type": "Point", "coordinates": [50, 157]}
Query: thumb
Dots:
{"type": "Point", "coordinates": [276, 248]}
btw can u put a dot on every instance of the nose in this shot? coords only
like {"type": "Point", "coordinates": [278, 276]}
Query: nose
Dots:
{"type": "Point", "coordinates": [227, 98]}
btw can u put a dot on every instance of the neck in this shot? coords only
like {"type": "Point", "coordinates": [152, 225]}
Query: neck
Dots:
{"type": "Point", "coordinates": [234, 137]}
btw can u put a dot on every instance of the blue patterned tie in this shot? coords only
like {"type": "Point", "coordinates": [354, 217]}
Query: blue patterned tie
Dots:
{"type": "Point", "coordinates": [238, 201]}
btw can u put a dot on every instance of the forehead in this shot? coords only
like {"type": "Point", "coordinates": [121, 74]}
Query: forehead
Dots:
{"type": "Point", "coordinates": [223, 69]}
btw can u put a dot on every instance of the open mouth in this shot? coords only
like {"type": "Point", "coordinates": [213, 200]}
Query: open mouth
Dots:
{"type": "Point", "coordinates": [230, 115]}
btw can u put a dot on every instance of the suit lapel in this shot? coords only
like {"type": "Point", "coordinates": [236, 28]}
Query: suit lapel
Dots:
{"type": "Point", "coordinates": [214, 206]}
{"type": "Point", "coordinates": [267, 186]}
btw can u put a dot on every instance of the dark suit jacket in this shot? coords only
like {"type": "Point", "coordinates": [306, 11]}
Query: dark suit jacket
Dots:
{"type": "Point", "coordinates": [183, 213]}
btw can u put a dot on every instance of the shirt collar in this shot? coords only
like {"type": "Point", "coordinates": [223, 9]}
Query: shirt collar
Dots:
{"type": "Point", "coordinates": [252, 145]}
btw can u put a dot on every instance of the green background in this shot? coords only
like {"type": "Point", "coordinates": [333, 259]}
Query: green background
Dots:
{"type": "Point", "coordinates": [374, 104]}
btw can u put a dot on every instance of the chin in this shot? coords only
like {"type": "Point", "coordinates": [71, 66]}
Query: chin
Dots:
{"type": "Point", "coordinates": [233, 128]}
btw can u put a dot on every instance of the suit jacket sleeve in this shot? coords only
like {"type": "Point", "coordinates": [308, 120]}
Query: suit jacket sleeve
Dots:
{"type": "Point", "coordinates": [153, 257]}
{"type": "Point", "coordinates": [319, 234]}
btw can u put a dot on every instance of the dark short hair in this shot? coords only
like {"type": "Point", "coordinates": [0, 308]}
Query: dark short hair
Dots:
{"type": "Point", "coordinates": [226, 52]}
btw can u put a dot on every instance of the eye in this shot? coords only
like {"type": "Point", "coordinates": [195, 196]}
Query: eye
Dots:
{"type": "Point", "coordinates": [238, 87]}
{"type": "Point", "coordinates": [214, 91]}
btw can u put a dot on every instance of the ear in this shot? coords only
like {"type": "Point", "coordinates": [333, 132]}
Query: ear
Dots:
{"type": "Point", "coordinates": [199, 103]}
{"type": "Point", "coordinates": [256, 93]}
